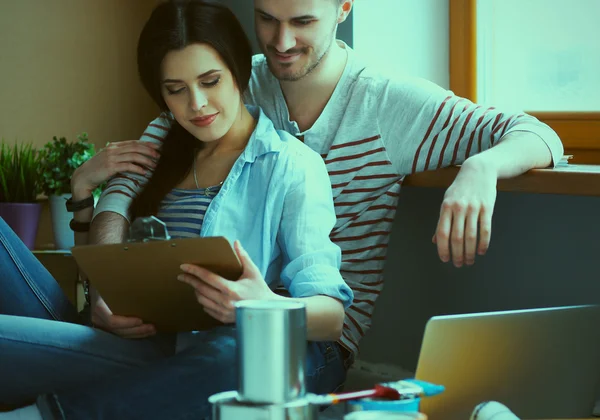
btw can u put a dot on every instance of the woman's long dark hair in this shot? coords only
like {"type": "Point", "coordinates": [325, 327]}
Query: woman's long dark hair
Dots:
{"type": "Point", "coordinates": [174, 25]}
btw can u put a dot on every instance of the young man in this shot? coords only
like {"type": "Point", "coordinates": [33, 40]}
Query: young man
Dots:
{"type": "Point", "coordinates": [372, 131]}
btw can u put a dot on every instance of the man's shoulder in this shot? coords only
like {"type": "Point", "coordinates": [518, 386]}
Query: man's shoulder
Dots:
{"type": "Point", "coordinates": [382, 81]}
{"type": "Point", "coordinates": [399, 84]}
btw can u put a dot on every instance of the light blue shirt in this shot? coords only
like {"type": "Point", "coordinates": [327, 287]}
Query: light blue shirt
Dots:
{"type": "Point", "coordinates": [277, 201]}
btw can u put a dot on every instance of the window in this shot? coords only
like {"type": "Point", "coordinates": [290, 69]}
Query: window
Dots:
{"type": "Point", "coordinates": [403, 37]}
{"type": "Point", "coordinates": [536, 57]}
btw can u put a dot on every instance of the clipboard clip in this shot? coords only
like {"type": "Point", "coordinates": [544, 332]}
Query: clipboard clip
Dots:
{"type": "Point", "coordinates": [146, 229]}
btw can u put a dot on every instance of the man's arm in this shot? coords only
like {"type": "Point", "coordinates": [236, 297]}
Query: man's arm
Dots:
{"type": "Point", "coordinates": [515, 154]}
{"type": "Point", "coordinates": [132, 156]}
{"type": "Point", "coordinates": [425, 127]}
{"type": "Point", "coordinates": [109, 225]}
{"type": "Point", "coordinates": [468, 204]}
{"type": "Point", "coordinates": [108, 228]}
{"type": "Point", "coordinates": [120, 191]}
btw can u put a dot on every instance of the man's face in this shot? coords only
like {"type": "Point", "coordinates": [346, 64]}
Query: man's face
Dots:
{"type": "Point", "coordinates": [295, 35]}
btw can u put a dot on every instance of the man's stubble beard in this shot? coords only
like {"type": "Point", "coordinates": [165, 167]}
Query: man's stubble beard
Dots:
{"type": "Point", "coordinates": [300, 74]}
{"type": "Point", "coordinates": [303, 72]}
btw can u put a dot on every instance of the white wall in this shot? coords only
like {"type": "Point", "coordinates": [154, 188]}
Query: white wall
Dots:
{"type": "Point", "coordinates": [408, 36]}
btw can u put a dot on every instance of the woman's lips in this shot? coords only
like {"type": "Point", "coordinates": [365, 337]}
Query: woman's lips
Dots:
{"type": "Point", "coordinates": [204, 121]}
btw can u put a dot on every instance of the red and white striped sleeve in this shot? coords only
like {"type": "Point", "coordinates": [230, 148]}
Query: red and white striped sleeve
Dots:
{"type": "Point", "coordinates": [425, 127]}
{"type": "Point", "coordinates": [124, 187]}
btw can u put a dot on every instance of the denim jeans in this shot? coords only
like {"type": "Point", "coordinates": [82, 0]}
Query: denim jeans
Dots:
{"type": "Point", "coordinates": [74, 371]}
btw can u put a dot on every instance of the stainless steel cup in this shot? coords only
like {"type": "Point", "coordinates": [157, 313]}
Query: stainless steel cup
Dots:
{"type": "Point", "coordinates": [271, 351]}
{"type": "Point", "coordinates": [225, 406]}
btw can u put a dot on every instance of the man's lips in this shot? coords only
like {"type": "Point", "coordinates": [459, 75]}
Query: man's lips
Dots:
{"type": "Point", "coordinates": [287, 56]}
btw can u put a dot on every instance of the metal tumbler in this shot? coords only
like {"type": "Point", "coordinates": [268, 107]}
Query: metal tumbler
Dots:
{"type": "Point", "coordinates": [271, 351]}
{"type": "Point", "coordinates": [226, 406]}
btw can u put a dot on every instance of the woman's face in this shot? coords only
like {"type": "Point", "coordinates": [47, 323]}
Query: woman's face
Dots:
{"type": "Point", "coordinates": [200, 91]}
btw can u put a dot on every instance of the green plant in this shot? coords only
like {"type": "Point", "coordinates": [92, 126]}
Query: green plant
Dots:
{"type": "Point", "coordinates": [19, 179]}
{"type": "Point", "coordinates": [59, 159]}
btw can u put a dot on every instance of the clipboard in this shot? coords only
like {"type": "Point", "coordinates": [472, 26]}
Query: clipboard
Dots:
{"type": "Point", "coordinates": [140, 278]}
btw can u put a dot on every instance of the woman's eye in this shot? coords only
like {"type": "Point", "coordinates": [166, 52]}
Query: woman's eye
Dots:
{"type": "Point", "coordinates": [304, 22]}
{"type": "Point", "coordinates": [175, 91]}
{"type": "Point", "coordinates": [265, 18]}
{"type": "Point", "coordinates": [211, 83]}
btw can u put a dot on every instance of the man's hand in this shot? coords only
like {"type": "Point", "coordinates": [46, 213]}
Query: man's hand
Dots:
{"type": "Point", "coordinates": [126, 156]}
{"type": "Point", "coordinates": [218, 295]}
{"type": "Point", "coordinates": [467, 207]}
{"type": "Point", "coordinates": [123, 326]}
{"type": "Point", "coordinates": [469, 202]}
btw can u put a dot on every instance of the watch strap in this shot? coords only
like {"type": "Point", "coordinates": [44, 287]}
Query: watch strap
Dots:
{"type": "Point", "coordinates": [80, 227]}
{"type": "Point", "coordinates": [74, 206]}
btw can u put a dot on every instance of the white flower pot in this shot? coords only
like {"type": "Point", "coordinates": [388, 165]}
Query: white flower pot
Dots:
{"type": "Point", "coordinates": [63, 235]}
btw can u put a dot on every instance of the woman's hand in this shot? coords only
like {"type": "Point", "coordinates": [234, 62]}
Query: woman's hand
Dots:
{"type": "Point", "coordinates": [126, 156]}
{"type": "Point", "coordinates": [123, 326]}
{"type": "Point", "coordinates": [218, 295]}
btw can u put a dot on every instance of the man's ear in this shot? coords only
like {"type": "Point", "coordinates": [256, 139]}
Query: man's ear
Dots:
{"type": "Point", "coordinates": [345, 10]}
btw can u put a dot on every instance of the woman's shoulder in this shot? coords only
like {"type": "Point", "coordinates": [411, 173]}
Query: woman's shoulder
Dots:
{"type": "Point", "coordinates": [287, 158]}
{"type": "Point", "coordinates": [293, 162]}
{"type": "Point", "coordinates": [285, 144]}
{"type": "Point", "coordinates": [295, 150]}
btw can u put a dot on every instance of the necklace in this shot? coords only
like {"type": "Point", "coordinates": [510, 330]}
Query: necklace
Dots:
{"type": "Point", "coordinates": [207, 190]}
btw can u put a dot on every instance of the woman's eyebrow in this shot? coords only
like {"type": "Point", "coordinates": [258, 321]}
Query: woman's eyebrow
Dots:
{"type": "Point", "coordinates": [207, 73]}
{"type": "Point", "coordinates": [303, 17]}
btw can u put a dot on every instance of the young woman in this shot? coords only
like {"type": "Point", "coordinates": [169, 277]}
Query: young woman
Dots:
{"type": "Point", "coordinates": [223, 170]}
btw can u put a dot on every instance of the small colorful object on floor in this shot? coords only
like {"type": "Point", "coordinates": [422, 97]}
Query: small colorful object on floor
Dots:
{"type": "Point", "coordinates": [384, 415]}
{"type": "Point", "coordinates": [409, 405]}
{"type": "Point", "coordinates": [405, 401]}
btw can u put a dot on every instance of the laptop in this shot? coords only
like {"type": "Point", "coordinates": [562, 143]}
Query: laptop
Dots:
{"type": "Point", "coordinates": [541, 363]}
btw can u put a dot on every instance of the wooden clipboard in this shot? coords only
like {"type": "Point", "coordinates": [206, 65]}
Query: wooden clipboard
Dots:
{"type": "Point", "coordinates": [140, 278]}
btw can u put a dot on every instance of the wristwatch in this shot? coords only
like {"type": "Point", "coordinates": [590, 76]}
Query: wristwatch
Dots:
{"type": "Point", "coordinates": [74, 206]}
{"type": "Point", "coordinates": [80, 227]}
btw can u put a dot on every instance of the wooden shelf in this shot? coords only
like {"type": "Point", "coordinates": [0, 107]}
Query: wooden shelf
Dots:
{"type": "Point", "coordinates": [568, 180]}
{"type": "Point", "coordinates": [43, 251]}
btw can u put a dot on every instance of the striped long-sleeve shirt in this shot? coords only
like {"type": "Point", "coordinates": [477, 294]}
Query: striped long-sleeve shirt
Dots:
{"type": "Point", "coordinates": [372, 133]}
{"type": "Point", "coordinates": [183, 210]}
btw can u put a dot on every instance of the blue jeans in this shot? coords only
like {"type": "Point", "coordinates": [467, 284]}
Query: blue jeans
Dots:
{"type": "Point", "coordinates": [73, 371]}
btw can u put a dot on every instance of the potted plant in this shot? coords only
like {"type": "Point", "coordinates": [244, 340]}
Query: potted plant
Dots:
{"type": "Point", "coordinates": [59, 159]}
{"type": "Point", "coordinates": [19, 187]}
